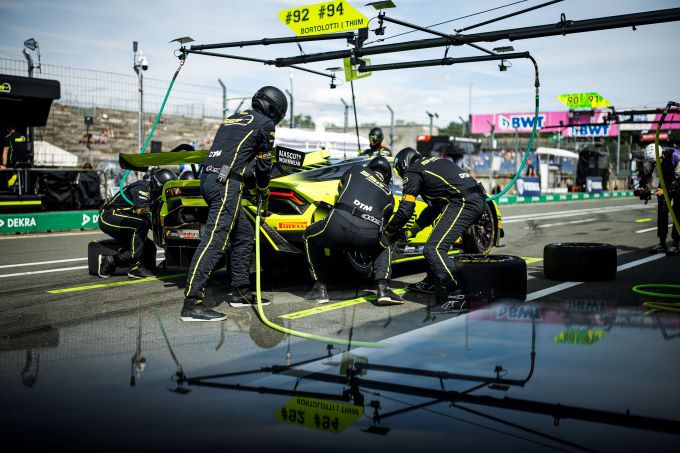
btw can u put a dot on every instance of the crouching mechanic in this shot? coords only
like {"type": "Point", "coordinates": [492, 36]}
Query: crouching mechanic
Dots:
{"type": "Point", "coordinates": [242, 138]}
{"type": "Point", "coordinates": [454, 198]}
{"type": "Point", "coordinates": [670, 168]}
{"type": "Point", "coordinates": [129, 225]}
{"type": "Point", "coordinates": [365, 202]}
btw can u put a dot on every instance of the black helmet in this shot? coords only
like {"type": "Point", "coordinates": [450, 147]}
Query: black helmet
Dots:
{"type": "Point", "coordinates": [381, 165]}
{"type": "Point", "coordinates": [158, 179]}
{"type": "Point", "coordinates": [404, 158]}
{"type": "Point", "coordinates": [186, 175]}
{"type": "Point", "coordinates": [375, 136]}
{"type": "Point", "coordinates": [271, 102]}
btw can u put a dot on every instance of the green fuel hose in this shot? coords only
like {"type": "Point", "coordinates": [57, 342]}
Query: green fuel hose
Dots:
{"type": "Point", "coordinates": [642, 289]}
{"type": "Point", "coordinates": [537, 84]}
{"type": "Point", "coordinates": [263, 317]}
{"type": "Point", "coordinates": [182, 58]}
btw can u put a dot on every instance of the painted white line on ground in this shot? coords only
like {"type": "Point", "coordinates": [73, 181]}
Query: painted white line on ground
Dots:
{"type": "Point", "coordinates": [38, 263]}
{"type": "Point", "coordinates": [46, 271]}
{"type": "Point", "coordinates": [48, 235]}
{"type": "Point", "coordinates": [548, 225]}
{"type": "Point", "coordinates": [566, 285]}
{"type": "Point", "coordinates": [646, 230]}
{"type": "Point", "coordinates": [576, 213]}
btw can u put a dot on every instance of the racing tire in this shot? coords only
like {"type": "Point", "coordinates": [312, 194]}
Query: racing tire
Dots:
{"type": "Point", "coordinates": [481, 236]}
{"type": "Point", "coordinates": [579, 261]}
{"type": "Point", "coordinates": [492, 277]}
{"type": "Point", "coordinates": [110, 247]}
{"type": "Point", "coordinates": [360, 262]}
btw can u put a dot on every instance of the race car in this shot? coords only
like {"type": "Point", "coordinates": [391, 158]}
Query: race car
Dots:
{"type": "Point", "coordinates": [304, 187]}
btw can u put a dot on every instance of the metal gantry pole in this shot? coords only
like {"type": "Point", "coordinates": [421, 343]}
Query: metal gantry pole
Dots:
{"type": "Point", "coordinates": [224, 99]}
{"type": "Point", "coordinates": [344, 128]}
{"type": "Point", "coordinates": [391, 126]}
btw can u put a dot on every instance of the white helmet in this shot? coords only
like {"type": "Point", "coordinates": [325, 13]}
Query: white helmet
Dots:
{"type": "Point", "coordinates": [650, 152]}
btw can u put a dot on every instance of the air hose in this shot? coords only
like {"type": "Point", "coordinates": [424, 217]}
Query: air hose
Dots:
{"type": "Point", "coordinates": [263, 317]}
{"type": "Point", "coordinates": [643, 289]}
{"type": "Point", "coordinates": [537, 84]}
{"type": "Point", "coordinates": [182, 58]}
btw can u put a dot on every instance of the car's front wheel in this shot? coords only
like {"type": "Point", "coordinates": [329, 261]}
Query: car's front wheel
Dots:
{"type": "Point", "coordinates": [480, 237]}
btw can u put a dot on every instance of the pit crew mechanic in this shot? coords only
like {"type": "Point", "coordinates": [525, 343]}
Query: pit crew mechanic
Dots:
{"type": "Point", "coordinates": [364, 203]}
{"type": "Point", "coordinates": [375, 139]}
{"type": "Point", "coordinates": [453, 197]}
{"type": "Point", "coordinates": [129, 225]}
{"type": "Point", "coordinates": [242, 138]}
{"type": "Point", "coordinates": [670, 167]}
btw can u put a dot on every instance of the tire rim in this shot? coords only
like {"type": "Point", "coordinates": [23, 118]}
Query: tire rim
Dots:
{"type": "Point", "coordinates": [483, 231]}
{"type": "Point", "coordinates": [359, 259]}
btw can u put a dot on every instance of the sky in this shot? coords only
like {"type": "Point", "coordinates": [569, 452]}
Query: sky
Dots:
{"type": "Point", "coordinates": [632, 69]}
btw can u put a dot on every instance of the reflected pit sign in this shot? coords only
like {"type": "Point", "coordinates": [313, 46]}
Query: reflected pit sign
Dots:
{"type": "Point", "coordinates": [319, 414]}
{"type": "Point", "coordinates": [323, 18]}
{"type": "Point", "coordinates": [583, 100]}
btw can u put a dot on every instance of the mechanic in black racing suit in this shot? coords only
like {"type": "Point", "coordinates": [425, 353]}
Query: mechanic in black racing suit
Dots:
{"type": "Point", "coordinates": [375, 140]}
{"type": "Point", "coordinates": [129, 225]}
{"type": "Point", "coordinates": [454, 198]}
{"type": "Point", "coordinates": [365, 202]}
{"type": "Point", "coordinates": [242, 138]}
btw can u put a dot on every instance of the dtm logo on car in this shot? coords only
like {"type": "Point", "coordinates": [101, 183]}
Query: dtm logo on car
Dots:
{"type": "Point", "coordinates": [363, 207]}
{"type": "Point", "coordinates": [18, 222]}
{"type": "Point", "coordinates": [520, 122]}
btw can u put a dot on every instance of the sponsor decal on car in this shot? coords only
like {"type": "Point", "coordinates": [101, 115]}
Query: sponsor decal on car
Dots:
{"type": "Point", "coordinates": [292, 225]}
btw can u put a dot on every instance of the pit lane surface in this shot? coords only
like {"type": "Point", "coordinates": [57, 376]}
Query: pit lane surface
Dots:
{"type": "Point", "coordinates": [44, 279]}
{"type": "Point", "coordinates": [52, 308]}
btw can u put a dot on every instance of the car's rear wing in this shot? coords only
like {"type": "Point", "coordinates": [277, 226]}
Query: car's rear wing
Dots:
{"type": "Point", "coordinates": [142, 162]}
{"type": "Point", "coordinates": [287, 157]}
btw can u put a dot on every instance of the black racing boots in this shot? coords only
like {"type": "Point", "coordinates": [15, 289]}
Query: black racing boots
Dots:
{"type": "Point", "coordinates": [425, 286]}
{"type": "Point", "coordinates": [195, 310]}
{"type": "Point", "coordinates": [386, 296]}
{"type": "Point", "coordinates": [139, 271]}
{"type": "Point", "coordinates": [242, 297]}
{"type": "Point", "coordinates": [318, 294]}
{"type": "Point", "coordinates": [107, 266]}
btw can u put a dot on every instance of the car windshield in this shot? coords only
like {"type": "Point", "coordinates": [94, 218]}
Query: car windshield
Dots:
{"type": "Point", "coordinates": [331, 172]}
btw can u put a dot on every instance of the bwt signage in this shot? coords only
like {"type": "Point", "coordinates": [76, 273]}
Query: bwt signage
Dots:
{"type": "Point", "coordinates": [523, 123]}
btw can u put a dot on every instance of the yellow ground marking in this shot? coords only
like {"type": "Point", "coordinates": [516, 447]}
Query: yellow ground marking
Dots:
{"type": "Point", "coordinates": [531, 259]}
{"type": "Point", "coordinates": [335, 306]}
{"type": "Point", "coordinates": [646, 219]}
{"type": "Point", "coordinates": [111, 284]}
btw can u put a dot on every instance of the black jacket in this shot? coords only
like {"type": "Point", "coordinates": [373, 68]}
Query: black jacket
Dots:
{"type": "Point", "coordinates": [362, 189]}
{"type": "Point", "coordinates": [437, 181]}
{"type": "Point", "coordinates": [241, 138]}
{"type": "Point", "coordinates": [138, 192]}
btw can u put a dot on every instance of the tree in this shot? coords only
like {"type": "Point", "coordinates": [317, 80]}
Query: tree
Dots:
{"type": "Point", "coordinates": [304, 121]}
{"type": "Point", "coordinates": [454, 129]}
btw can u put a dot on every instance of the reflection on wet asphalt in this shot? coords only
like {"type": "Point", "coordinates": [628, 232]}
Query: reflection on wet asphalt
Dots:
{"type": "Point", "coordinates": [576, 374]}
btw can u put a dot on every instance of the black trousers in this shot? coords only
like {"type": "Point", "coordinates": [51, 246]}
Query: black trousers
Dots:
{"type": "Point", "coordinates": [342, 230]}
{"type": "Point", "coordinates": [224, 206]}
{"type": "Point", "coordinates": [130, 230]}
{"type": "Point", "coordinates": [662, 218]}
{"type": "Point", "coordinates": [457, 217]}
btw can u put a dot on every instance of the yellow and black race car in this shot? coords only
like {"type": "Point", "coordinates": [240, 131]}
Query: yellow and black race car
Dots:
{"type": "Point", "coordinates": [303, 189]}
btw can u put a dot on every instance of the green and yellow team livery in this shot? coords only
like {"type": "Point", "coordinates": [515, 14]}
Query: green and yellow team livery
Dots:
{"type": "Point", "coordinates": [304, 187]}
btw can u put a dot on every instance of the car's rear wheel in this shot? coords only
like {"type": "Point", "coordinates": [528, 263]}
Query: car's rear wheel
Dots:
{"type": "Point", "coordinates": [480, 237]}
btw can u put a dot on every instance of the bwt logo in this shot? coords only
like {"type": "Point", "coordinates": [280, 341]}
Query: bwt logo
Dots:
{"type": "Point", "coordinates": [590, 131]}
{"type": "Point", "coordinates": [520, 122]}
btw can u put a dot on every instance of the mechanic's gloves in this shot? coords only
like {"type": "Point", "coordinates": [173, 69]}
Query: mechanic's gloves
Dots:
{"type": "Point", "coordinates": [397, 236]}
{"type": "Point", "coordinates": [414, 230]}
{"type": "Point", "coordinates": [263, 195]}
